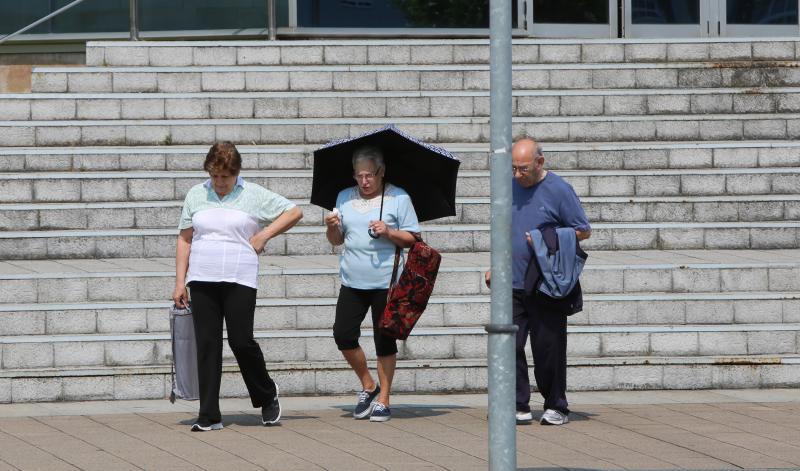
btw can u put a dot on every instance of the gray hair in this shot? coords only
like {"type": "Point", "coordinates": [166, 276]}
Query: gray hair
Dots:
{"type": "Point", "coordinates": [369, 153]}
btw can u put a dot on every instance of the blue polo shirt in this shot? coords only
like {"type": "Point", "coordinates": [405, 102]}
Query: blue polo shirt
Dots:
{"type": "Point", "coordinates": [551, 202]}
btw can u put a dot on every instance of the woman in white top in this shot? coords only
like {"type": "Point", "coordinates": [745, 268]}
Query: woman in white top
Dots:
{"type": "Point", "coordinates": [225, 224]}
{"type": "Point", "coordinates": [373, 219]}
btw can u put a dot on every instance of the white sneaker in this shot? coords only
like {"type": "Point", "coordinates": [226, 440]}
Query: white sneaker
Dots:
{"type": "Point", "coordinates": [198, 427]}
{"type": "Point", "coordinates": [553, 417]}
{"type": "Point", "coordinates": [524, 416]}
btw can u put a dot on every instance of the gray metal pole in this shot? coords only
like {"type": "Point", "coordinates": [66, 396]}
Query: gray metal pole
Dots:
{"type": "Point", "coordinates": [502, 420]}
{"type": "Point", "coordinates": [41, 20]}
{"type": "Point", "coordinates": [272, 20]}
{"type": "Point", "coordinates": [134, 17]}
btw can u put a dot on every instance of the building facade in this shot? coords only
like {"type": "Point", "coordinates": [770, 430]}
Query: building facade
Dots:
{"type": "Point", "coordinates": [109, 19]}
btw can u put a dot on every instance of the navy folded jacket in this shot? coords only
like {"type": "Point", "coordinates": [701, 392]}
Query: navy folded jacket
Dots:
{"type": "Point", "coordinates": [555, 268]}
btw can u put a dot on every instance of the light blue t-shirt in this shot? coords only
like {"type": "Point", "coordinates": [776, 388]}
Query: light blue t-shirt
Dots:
{"type": "Point", "coordinates": [366, 263]}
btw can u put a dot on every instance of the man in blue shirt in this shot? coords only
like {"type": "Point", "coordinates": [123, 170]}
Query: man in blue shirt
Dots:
{"type": "Point", "coordinates": [539, 199]}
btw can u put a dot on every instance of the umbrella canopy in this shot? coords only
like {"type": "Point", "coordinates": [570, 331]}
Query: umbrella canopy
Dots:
{"type": "Point", "coordinates": [427, 173]}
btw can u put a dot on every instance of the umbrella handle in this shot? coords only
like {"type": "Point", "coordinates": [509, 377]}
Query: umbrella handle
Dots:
{"type": "Point", "coordinates": [380, 216]}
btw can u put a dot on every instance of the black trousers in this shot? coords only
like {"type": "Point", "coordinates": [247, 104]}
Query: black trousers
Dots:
{"type": "Point", "coordinates": [548, 331]}
{"type": "Point", "coordinates": [351, 309]}
{"type": "Point", "coordinates": [211, 303]}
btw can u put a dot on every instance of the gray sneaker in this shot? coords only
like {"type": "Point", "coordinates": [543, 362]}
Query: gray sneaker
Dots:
{"type": "Point", "coordinates": [366, 402]}
{"type": "Point", "coordinates": [553, 417]}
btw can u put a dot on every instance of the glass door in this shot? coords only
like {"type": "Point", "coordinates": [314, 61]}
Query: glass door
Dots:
{"type": "Point", "coordinates": [572, 18]}
{"type": "Point", "coordinates": [394, 17]}
{"type": "Point", "coordinates": [747, 18]}
{"type": "Point", "coordinates": [667, 18]}
{"type": "Point", "coordinates": [710, 18]}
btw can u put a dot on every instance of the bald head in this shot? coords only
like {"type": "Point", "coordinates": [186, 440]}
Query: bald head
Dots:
{"type": "Point", "coordinates": [528, 147]}
{"type": "Point", "coordinates": [527, 160]}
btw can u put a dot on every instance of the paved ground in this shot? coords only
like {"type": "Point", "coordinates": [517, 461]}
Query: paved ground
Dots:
{"type": "Point", "coordinates": [609, 430]}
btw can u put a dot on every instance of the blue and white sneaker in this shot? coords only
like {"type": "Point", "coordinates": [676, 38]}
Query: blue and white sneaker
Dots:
{"type": "Point", "coordinates": [380, 413]}
{"type": "Point", "coordinates": [366, 401]}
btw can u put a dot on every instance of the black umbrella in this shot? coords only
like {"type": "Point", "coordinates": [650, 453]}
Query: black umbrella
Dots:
{"type": "Point", "coordinates": [428, 173]}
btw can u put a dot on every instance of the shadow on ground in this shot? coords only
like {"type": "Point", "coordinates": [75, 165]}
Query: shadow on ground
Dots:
{"type": "Point", "coordinates": [409, 411]}
{"type": "Point", "coordinates": [249, 420]}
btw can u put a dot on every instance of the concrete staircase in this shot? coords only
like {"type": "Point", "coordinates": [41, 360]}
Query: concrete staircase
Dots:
{"type": "Point", "coordinates": [683, 153]}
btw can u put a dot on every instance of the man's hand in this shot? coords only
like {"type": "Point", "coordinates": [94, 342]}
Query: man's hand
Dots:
{"type": "Point", "coordinates": [487, 277]}
{"type": "Point", "coordinates": [581, 235]}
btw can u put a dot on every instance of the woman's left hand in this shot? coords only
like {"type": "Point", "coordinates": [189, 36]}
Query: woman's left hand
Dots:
{"type": "Point", "coordinates": [379, 228]}
{"type": "Point", "coordinates": [258, 242]}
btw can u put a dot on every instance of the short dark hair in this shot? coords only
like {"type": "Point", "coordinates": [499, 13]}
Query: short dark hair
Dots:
{"type": "Point", "coordinates": [223, 156]}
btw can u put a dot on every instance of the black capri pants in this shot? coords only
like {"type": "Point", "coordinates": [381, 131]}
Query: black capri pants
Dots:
{"type": "Point", "coordinates": [351, 309]}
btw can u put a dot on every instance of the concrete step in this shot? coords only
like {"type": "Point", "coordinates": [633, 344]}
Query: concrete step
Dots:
{"type": "Point", "coordinates": [310, 240]}
{"type": "Point", "coordinates": [469, 210]}
{"type": "Point", "coordinates": [291, 278]}
{"type": "Point", "coordinates": [426, 51]}
{"type": "Point", "coordinates": [531, 76]}
{"type": "Point", "coordinates": [294, 131]}
{"type": "Point", "coordinates": [473, 156]}
{"type": "Point", "coordinates": [600, 310]}
{"type": "Point", "coordinates": [427, 343]}
{"type": "Point", "coordinates": [85, 187]}
{"type": "Point", "coordinates": [428, 376]}
{"type": "Point", "coordinates": [391, 104]}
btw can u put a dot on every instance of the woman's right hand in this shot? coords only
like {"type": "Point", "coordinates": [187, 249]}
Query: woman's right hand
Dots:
{"type": "Point", "coordinates": [180, 297]}
{"type": "Point", "coordinates": [332, 220]}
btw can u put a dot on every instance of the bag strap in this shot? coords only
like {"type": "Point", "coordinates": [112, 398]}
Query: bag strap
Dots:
{"type": "Point", "coordinates": [172, 364]}
{"type": "Point", "coordinates": [398, 249]}
{"type": "Point", "coordinates": [393, 280]}
{"type": "Point", "coordinates": [397, 253]}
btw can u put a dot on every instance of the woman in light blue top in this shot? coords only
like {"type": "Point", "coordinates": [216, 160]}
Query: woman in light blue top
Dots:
{"type": "Point", "coordinates": [371, 219]}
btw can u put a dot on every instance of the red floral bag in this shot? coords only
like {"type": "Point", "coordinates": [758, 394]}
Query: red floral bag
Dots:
{"type": "Point", "coordinates": [408, 298]}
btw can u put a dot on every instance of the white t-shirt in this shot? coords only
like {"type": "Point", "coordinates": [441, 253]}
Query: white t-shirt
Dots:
{"type": "Point", "coordinates": [366, 263]}
{"type": "Point", "coordinates": [221, 249]}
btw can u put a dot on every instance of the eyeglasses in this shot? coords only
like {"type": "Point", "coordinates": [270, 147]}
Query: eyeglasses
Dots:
{"type": "Point", "coordinates": [522, 170]}
{"type": "Point", "coordinates": [365, 176]}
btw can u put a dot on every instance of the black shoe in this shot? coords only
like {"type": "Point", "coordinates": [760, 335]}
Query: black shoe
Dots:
{"type": "Point", "coordinates": [366, 401]}
{"type": "Point", "coordinates": [271, 414]}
